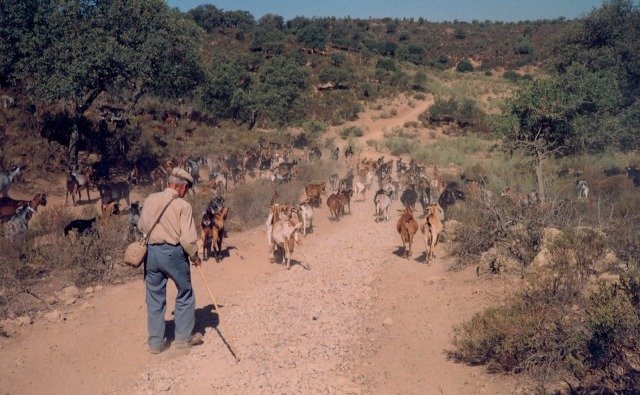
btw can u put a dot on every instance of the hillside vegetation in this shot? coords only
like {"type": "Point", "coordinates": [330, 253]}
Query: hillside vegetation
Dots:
{"type": "Point", "coordinates": [538, 106]}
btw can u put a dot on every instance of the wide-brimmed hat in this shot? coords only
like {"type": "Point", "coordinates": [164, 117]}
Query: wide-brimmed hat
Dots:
{"type": "Point", "coordinates": [182, 174]}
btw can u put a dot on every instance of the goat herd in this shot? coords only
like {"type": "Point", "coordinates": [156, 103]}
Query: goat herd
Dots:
{"type": "Point", "coordinates": [286, 224]}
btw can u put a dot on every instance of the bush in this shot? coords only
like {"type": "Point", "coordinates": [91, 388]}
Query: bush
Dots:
{"type": "Point", "coordinates": [561, 326]}
{"type": "Point", "coordinates": [349, 111]}
{"type": "Point", "coordinates": [352, 131]}
{"type": "Point", "coordinates": [315, 128]}
{"type": "Point", "coordinates": [388, 113]}
{"type": "Point", "coordinates": [464, 113]}
{"type": "Point", "coordinates": [46, 251]}
{"type": "Point", "coordinates": [464, 66]}
{"type": "Point", "coordinates": [459, 34]}
{"type": "Point", "coordinates": [249, 203]}
{"type": "Point", "coordinates": [523, 47]}
{"type": "Point", "coordinates": [511, 75]}
{"type": "Point", "coordinates": [398, 146]}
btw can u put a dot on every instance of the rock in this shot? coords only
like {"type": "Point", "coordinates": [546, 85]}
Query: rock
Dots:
{"type": "Point", "coordinates": [54, 316]}
{"type": "Point", "coordinates": [23, 320]}
{"type": "Point", "coordinates": [543, 258]}
{"type": "Point", "coordinates": [609, 278]}
{"type": "Point", "coordinates": [99, 288]}
{"type": "Point", "coordinates": [387, 321]}
{"type": "Point", "coordinates": [50, 300]}
{"type": "Point", "coordinates": [88, 291]}
{"type": "Point", "coordinates": [70, 301]}
{"type": "Point", "coordinates": [86, 305]}
{"type": "Point", "coordinates": [70, 292]}
{"type": "Point", "coordinates": [497, 260]}
{"type": "Point", "coordinates": [450, 228]}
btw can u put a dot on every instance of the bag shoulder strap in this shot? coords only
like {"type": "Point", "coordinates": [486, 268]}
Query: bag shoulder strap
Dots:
{"type": "Point", "coordinates": [146, 239]}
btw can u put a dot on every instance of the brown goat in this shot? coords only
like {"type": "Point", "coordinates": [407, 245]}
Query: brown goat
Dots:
{"type": "Point", "coordinates": [212, 233]}
{"type": "Point", "coordinates": [9, 206]}
{"type": "Point", "coordinates": [76, 182]}
{"type": "Point", "coordinates": [336, 203]}
{"type": "Point", "coordinates": [313, 192]}
{"type": "Point", "coordinates": [407, 228]}
{"type": "Point", "coordinates": [432, 228]}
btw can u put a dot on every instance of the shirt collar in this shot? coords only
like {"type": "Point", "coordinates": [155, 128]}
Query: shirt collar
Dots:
{"type": "Point", "coordinates": [171, 191]}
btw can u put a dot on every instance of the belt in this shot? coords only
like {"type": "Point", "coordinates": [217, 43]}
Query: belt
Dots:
{"type": "Point", "coordinates": [164, 244]}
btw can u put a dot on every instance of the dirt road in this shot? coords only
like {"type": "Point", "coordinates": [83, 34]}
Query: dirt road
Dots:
{"type": "Point", "coordinates": [361, 320]}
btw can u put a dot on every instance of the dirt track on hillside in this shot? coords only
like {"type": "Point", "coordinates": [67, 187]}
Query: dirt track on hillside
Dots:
{"type": "Point", "coordinates": [361, 320]}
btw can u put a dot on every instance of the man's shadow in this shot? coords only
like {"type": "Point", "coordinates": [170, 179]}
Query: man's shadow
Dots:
{"type": "Point", "coordinates": [206, 317]}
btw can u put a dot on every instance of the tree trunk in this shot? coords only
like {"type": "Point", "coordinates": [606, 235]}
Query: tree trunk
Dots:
{"type": "Point", "coordinates": [73, 145]}
{"type": "Point", "coordinates": [74, 137]}
{"type": "Point", "coordinates": [253, 120]}
{"type": "Point", "coordinates": [540, 177]}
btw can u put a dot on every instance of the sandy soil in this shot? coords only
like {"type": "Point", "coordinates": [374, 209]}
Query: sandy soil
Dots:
{"type": "Point", "coordinates": [362, 319]}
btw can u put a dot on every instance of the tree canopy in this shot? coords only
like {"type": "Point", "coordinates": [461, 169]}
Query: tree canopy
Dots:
{"type": "Point", "coordinates": [79, 49]}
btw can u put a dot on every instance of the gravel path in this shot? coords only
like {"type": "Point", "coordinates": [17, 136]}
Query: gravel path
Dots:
{"type": "Point", "coordinates": [306, 329]}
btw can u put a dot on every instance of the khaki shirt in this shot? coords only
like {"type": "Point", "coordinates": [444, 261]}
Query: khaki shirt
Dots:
{"type": "Point", "coordinates": [176, 225]}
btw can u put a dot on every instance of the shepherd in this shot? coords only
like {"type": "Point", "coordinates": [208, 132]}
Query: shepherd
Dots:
{"type": "Point", "coordinates": [172, 244]}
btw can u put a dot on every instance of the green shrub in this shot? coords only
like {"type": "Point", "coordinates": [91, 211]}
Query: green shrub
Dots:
{"type": "Point", "coordinates": [388, 113]}
{"type": "Point", "coordinates": [561, 326]}
{"type": "Point", "coordinates": [349, 111]}
{"type": "Point", "coordinates": [399, 146]}
{"type": "Point", "coordinates": [465, 113]}
{"type": "Point", "coordinates": [315, 128]}
{"type": "Point", "coordinates": [464, 66]}
{"type": "Point", "coordinates": [511, 75]}
{"type": "Point", "coordinates": [352, 131]}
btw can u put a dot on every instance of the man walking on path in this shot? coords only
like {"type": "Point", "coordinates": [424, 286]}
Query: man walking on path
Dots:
{"type": "Point", "coordinates": [171, 245]}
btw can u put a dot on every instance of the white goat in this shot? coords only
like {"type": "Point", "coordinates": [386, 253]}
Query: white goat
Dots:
{"type": "Point", "coordinates": [7, 178]}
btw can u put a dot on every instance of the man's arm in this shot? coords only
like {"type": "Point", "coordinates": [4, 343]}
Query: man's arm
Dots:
{"type": "Point", "coordinates": [188, 233]}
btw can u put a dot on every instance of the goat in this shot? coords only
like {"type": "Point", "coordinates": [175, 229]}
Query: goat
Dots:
{"type": "Point", "coordinates": [333, 181]}
{"type": "Point", "coordinates": [114, 192]}
{"type": "Point", "coordinates": [19, 222]}
{"type": "Point", "coordinates": [81, 226]}
{"type": "Point", "coordinates": [409, 197]}
{"type": "Point", "coordinates": [9, 206]}
{"type": "Point", "coordinates": [215, 205]}
{"type": "Point", "coordinates": [313, 192]}
{"type": "Point", "coordinates": [206, 230]}
{"type": "Point", "coordinates": [382, 201]}
{"type": "Point", "coordinates": [361, 189]}
{"type": "Point", "coordinates": [346, 198]}
{"type": "Point", "coordinates": [220, 181]}
{"type": "Point", "coordinates": [407, 228]}
{"type": "Point", "coordinates": [633, 173]}
{"type": "Point", "coordinates": [282, 233]}
{"type": "Point", "coordinates": [193, 167]}
{"type": "Point", "coordinates": [6, 179]}
{"type": "Point", "coordinates": [336, 203]}
{"type": "Point", "coordinates": [432, 228]}
{"type": "Point", "coordinates": [212, 232]}
{"type": "Point", "coordinates": [76, 182]}
{"type": "Point", "coordinates": [583, 189]}
{"type": "Point", "coordinates": [132, 219]}
{"type": "Point", "coordinates": [306, 215]}
{"type": "Point", "coordinates": [451, 193]}
{"type": "Point", "coordinates": [87, 226]}
{"type": "Point", "coordinates": [512, 193]}
{"type": "Point", "coordinates": [159, 177]}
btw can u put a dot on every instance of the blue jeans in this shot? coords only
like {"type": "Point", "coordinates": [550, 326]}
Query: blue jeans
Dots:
{"type": "Point", "coordinates": [166, 261]}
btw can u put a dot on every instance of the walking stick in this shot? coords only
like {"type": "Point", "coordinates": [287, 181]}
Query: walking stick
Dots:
{"type": "Point", "coordinates": [224, 326]}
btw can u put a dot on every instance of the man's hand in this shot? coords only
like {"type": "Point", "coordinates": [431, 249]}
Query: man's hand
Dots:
{"type": "Point", "coordinates": [195, 260]}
